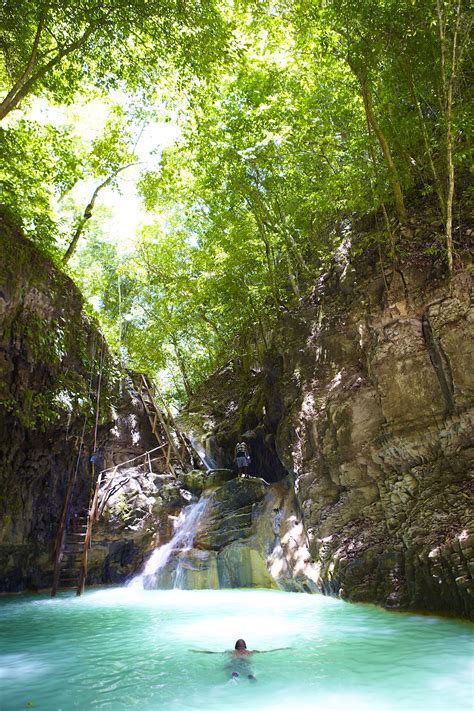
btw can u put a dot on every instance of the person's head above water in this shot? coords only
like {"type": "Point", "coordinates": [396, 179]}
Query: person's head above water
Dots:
{"type": "Point", "coordinates": [240, 644]}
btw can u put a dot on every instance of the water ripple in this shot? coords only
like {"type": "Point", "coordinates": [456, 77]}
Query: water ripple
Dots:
{"type": "Point", "coordinates": [123, 648]}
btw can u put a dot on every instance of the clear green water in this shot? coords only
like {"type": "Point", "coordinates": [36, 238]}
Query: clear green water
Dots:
{"type": "Point", "coordinates": [123, 649]}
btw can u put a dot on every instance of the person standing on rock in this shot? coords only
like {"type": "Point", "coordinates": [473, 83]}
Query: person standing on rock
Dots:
{"type": "Point", "coordinates": [242, 457]}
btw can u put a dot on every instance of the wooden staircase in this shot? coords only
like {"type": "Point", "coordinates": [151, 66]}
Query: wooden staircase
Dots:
{"type": "Point", "coordinates": [72, 552]}
{"type": "Point", "coordinates": [73, 542]}
{"type": "Point", "coordinates": [69, 545]}
{"type": "Point", "coordinates": [75, 533]}
{"type": "Point", "coordinates": [175, 450]}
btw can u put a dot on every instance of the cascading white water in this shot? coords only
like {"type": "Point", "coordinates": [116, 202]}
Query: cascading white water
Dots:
{"type": "Point", "coordinates": [205, 458]}
{"type": "Point", "coordinates": [182, 540]}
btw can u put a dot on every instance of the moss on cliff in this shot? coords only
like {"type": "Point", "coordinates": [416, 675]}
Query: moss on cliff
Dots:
{"type": "Point", "coordinates": [366, 397]}
{"type": "Point", "coordinates": [51, 349]}
{"type": "Point", "coordinates": [50, 358]}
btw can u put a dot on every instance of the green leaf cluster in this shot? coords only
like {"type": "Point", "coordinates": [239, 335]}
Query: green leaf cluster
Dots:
{"type": "Point", "coordinates": [296, 119]}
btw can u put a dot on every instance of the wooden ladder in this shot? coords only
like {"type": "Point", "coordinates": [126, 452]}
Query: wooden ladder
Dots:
{"type": "Point", "coordinates": [74, 541]}
{"type": "Point", "coordinates": [72, 552]}
{"type": "Point", "coordinates": [175, 448]}
{"type": "Point", "coordinates": [92, 515]}
{"type": "Point", "coordinates": [69, 546]}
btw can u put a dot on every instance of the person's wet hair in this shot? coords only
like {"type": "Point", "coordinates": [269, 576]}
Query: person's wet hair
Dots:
{"type": "Point", "coordinates": [240, 644]}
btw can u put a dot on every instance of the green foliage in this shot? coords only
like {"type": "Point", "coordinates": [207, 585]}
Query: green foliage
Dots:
{"type": "Point", "coordinates": [52, 47]}
{"type": "Point", "coordinates": [39, 165]}
{"type": "Point", "coordinates": [310, 116]}
{"type": "Point", "coordinates": [113, 147]}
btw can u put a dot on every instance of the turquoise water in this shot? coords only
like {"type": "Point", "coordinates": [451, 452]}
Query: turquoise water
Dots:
{"type": "Point", "coordinates": [125, 649]}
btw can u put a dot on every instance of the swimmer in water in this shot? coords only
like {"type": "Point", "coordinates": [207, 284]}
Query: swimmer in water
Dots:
{"type": "Point", "coordinates": [239, 664]}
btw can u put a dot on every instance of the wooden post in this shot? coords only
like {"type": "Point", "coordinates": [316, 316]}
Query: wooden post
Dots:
{"type": "Point", "coordinates": [175, 426]}
{"type": "Point", "coordinates": [59, 548]}
{"type": "Point", "coordinates": [85, 555]}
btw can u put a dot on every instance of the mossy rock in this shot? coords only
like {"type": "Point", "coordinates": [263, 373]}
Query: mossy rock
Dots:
{"type": "Point", "coordinates": [239, 492]}
{"type": "Point", "coordinates": [194, 481]}
{"type": "Point", "coordinates": [241, 566]}
{"type": "Point", "coordinates": [218, 477]}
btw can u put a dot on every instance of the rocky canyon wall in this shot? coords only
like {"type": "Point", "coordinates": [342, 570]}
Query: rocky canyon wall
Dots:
{"type": "Point", "coordinates": [47, 347]}
{"type": "Point", "coordinates": [378, 429]}
{"type": "Point", "coordinates": [366, 397]}
{"type": "Point", "coordinates": [50, 366]}
{"type": "Point", "coordinates": [359, 418]}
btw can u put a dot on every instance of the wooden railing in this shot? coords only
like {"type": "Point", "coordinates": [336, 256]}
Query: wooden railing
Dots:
{"type": "Point", "coordinates": [173, 451]}
{"type": "Point", "coordinates": [106, 486]}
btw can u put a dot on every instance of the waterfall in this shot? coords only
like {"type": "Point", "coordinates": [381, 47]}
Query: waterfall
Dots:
{"type": "Point", "coordinates": [182, 540]}
{"type": "Point", "coordinates": [205, 458]}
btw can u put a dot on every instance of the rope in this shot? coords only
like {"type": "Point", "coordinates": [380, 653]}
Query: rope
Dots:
{"type": "Point", "coordinates": [81, 445]}
{"type": "Point", "coordinates": [66, 515]}
{"type": "Point", "coordinates": [97, 405]}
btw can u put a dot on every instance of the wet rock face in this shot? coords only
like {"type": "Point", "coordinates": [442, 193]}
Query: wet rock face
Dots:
{"type": "Point", "coordinates": [250, 534]}
{"type": "Point", "coordinates": [371, 410]}
{"type": "Point", "coordinates": [240, 402]}
{"type": "Point", "coordinates": [47, 345]}
{"type": "Point", "coordinates": [380, 436]}
{"type": "Point", "coordinates": [229, 513]}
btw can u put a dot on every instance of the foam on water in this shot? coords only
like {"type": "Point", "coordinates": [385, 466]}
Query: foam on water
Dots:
{"type": "Point", "coordinates": [125, 648]}
{"type": "Point", "coordinates": [182, 540]}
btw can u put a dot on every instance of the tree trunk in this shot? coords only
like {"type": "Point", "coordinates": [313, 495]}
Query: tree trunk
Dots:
{"type": "Point", "coordinates": [426, 140]}
{"type": "Point", "coordinates": [7, 104]}
{"type": "Point", "coordinates": [25, 83]}
{"type": "Point", "coordinates": [392, 169]}
{"type": "Point", "coordinates": [182, 368]}
{"type": "Point", "coordinates": [257, 315]}
{"type": "Point", "coordinates": [87, 214]}
{"type": "Point", "coordinates": [377, 129]}
{"type": "Point", "coordinates": [449, 76]}
{"type": "Point", "coordinates": [291, 276]}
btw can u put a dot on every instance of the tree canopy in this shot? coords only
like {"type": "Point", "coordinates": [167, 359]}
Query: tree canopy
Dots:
{"type": "Point", "coordinates": [294, 119]}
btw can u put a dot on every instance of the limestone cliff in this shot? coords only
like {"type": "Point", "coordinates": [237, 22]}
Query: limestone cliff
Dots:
{"type": "Point", "coordinates": [359, 419]}
{"type": "Point", "coordinates": [50, 366]}
{"type": "Point", "coordinates": [366, 397]}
